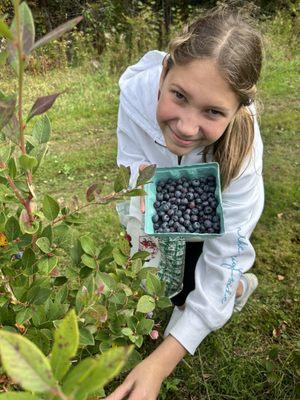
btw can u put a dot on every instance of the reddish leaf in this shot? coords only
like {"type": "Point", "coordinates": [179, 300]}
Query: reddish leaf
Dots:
{"type": "Point", "coordinates": [57, 32]}
{"type": "Point", "coordinates": [42, 105]}
{"type": "Point", "coordinates": [7, 107]}
{"type": "Point", "coordinates": [92, 191]}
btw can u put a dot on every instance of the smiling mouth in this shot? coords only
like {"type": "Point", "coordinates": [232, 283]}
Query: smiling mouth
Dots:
{"type": "Point", "coordinates": [181, 141]}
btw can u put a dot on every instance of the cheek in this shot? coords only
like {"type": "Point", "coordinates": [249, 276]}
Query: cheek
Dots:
{"type": "Point", "coordinates": [165, 110]}
{"type": "Point", "coordinates": [215, 130]}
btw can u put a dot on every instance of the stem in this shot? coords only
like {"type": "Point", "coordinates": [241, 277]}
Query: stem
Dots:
{"type": "Point", "coordinates": [18, 194]}
{"type": "Point", "coordinates": [58, 393]}
{"type": "Point", "coordinates": [20, 80]}
{"type": "Point", "coordinates": [9, 289]}
{"type": "Point", "coordinates": [103, 200]}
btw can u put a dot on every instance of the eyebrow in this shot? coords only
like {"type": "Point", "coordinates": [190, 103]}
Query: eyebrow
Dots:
{"type": "Point", "coordinates": [218, 108]}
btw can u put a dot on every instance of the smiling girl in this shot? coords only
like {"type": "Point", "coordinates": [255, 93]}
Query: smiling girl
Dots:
{"type": "Point", "coordinates": [196, 104]}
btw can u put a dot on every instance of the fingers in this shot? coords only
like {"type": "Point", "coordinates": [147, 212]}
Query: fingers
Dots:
{"type": "Point", "coordinates": [121, 391]}
{"type": "Point", "coordinates": [142, 204]}
{"type": "Point", "coordinates": [142, 200]}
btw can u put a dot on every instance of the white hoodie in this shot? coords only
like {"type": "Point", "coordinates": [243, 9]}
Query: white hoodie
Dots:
{"type": "Point", "coordinates": [224, 259]}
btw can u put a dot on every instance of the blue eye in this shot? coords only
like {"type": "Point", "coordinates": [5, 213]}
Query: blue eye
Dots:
{"type": "Point", "coordinates": [214, 112]}
{"type": "Point", "coordinates": [178, 95]}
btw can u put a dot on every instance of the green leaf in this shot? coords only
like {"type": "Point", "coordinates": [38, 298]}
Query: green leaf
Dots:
{"type": "Point", "coordinates": [41, 130]}
{"type": "Point", "coordinates": [12, 168]}
{"type": "Point", "coordinates": [25, 224]}
{"type": "Point", "coordinates": [93, 374]}
{"type": "Point", "coordinates": [47, 264]}
{"type": "Point", "coordinates": [144, 327]}
{"type": "Point", "coordinates": [18, 396]}
{"type": "Point", "coordinates": [5, 31]}
{"type": "Point", "coordinates": [27, 162]}
{"type": "Point", "coordinates": [145, 304]}
{"type": "Point", "coordinates": [28, 258]}
{"type": "Point", "coordinates": [122, 179]}
{"type": "Point", "coordinates": [136, 192]}
{"type": "Point", "coordinates": [50, 207]}
{"type": "Point", "coordinates": [153, 285]}
{"type": "Point", "coordinates": [27, 33]}
{"type": "Point", "coordinates": [89, 261]}
{"type": "Point", "coordinates": [25, 363]}
{"type": "Point", "coordinates": [24, 315]}
{"type": "Point", "coordinates": [146, 174]}
{"type": "Point", "coordinates": [164, 302]}
{"type": "Point", "coordinates": [57, 32]}
{"type": "Point", "coordinates": [119, 257]}
{"type": "Point", "coordinates": [88, 245]}
{"type": "Point", "coordinates": [3, 57]}
{"type": "Point", "coordinates": [44, 245]}
{"type": "Point", "coordinates": [66, 340]}
{"type": "Point", "coordinates": [12, 228]}
{"type": "Point", "coordinates": [38, 295]}
{"type": "Point", "coordinates": [86, 338]}
{"type": "Point", "coordinates": [140, 254]}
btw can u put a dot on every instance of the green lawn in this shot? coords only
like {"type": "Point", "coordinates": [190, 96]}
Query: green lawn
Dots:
{"type": "Point", "coordinates": [253, 356]}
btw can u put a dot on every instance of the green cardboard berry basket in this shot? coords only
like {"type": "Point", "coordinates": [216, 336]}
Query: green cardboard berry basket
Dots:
{"type": "Point", "coordinates": [194, 171]}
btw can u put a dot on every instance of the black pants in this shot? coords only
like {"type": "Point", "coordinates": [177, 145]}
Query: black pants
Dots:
{"type": "Point", "coordinates": [192, 253]}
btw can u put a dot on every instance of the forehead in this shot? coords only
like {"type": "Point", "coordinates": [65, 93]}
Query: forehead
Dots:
{"type": "Point", "coordinates": [203, 83]}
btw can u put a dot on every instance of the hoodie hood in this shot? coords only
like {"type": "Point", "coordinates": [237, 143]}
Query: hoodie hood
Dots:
{"type": "Point", "coordinates": [139, 86]}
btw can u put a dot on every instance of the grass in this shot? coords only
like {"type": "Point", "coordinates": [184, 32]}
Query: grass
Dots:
{"type": "Point", "coordinates": [253, 356]}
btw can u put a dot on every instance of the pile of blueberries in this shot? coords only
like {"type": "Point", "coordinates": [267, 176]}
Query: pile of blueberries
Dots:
{"type": "Point", "coordinates": [186, 205]}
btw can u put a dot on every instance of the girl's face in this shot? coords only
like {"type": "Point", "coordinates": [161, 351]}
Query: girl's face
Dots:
{"type": "Point", "coordinates": [195, 105]}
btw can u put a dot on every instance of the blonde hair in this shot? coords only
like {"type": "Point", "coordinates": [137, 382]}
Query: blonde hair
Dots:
{"type": "Point", "coordinates": [228, 38]}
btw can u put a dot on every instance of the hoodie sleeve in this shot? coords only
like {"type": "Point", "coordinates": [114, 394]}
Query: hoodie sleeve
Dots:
{"type": "Point", "coordinates": [130, 151]}
{"type": "Point", "coordinates": [223, 260]}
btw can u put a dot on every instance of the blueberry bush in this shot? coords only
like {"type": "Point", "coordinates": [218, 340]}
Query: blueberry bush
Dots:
{"type": "Point", "coordinates": [46, 266]}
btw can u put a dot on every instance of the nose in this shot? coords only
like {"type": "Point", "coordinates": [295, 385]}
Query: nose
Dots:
{"type": "Point", "coordinates": [188, 125]}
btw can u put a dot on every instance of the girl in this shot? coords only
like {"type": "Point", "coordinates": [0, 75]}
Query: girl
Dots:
{"type": "Point", "coordinates": [196, 104]}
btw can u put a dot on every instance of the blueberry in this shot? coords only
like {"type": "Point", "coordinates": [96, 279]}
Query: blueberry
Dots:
{"type": "Point", "coordinates": [195, 211]}
{"type": "Point", "coordinates": [166, 196]}
{"type": "Point", "coordinates": [184, 201]}
{"type": "Point", "coordinates": [158, 188]}
{"type": "Point", "coordinates": [181, 229]}
{"type": "Point", "coordinates": [170, 212]}
{"type": "Point", "coordinates": [194, 218]}
{"type": "Point", "coordinates": [156, 227]}
{"type": "Point", "coordinates": [159, 196]}
{"type": "Point", "coordinates": [165, 218]}
{"type": "Point", "coordinates": [192, 205]}
{"type": "Point", "coordinates": [190, 196]}
{"type": "Point", "coordinates": [185, 184]}
{"type": "Point", "coordinates": [207, 223]}
{"type": "Point", "coordinates": [171, 222]}
{"type": "Point", "coordinates": [178, 194]}
{"type": "Point", "coordinates": [161, 183]}
{"type": "Point", "coordinates": [203, 196]}
{"type": "Point", "coordinates": [216, 218]}
{"type": "Point", "coordinates": [210, 230]}
{"type": "Point", "coordinates": [208, 210]}
{"type": "Point", "coordinates": [171, 188]}
{"type": "Point", "coordinates": [216, 227]}
{"type": "Point", "coordinates": [196, 225]}
{"type": "Point", "coordinates": [155, 218]}
{"type": "Point", "coordinates": [195, 182]}
{"type": "Point", "coordinates": [181, 220]}
{"type": "Point", "coordinates": [156, 204]}
{"type": "Point", "coordinates": [186, 216]}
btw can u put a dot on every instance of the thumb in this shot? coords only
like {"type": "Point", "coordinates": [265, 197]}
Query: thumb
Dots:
{"type": "Point", "coordinates": [121, 391]}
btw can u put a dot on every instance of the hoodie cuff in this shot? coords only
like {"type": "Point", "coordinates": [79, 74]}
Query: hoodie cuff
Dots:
{"type": "Point", "coordinates": [181, 328]}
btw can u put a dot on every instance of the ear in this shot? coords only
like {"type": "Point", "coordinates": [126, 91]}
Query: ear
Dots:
{"type": "Point", "coordinates": [164, 71]}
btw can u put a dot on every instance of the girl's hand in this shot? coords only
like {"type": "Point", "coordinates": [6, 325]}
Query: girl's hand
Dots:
{"type": "Point", "coordinates": [142, 200]}
{"type": "Point", "coordinates": [143, 383]}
